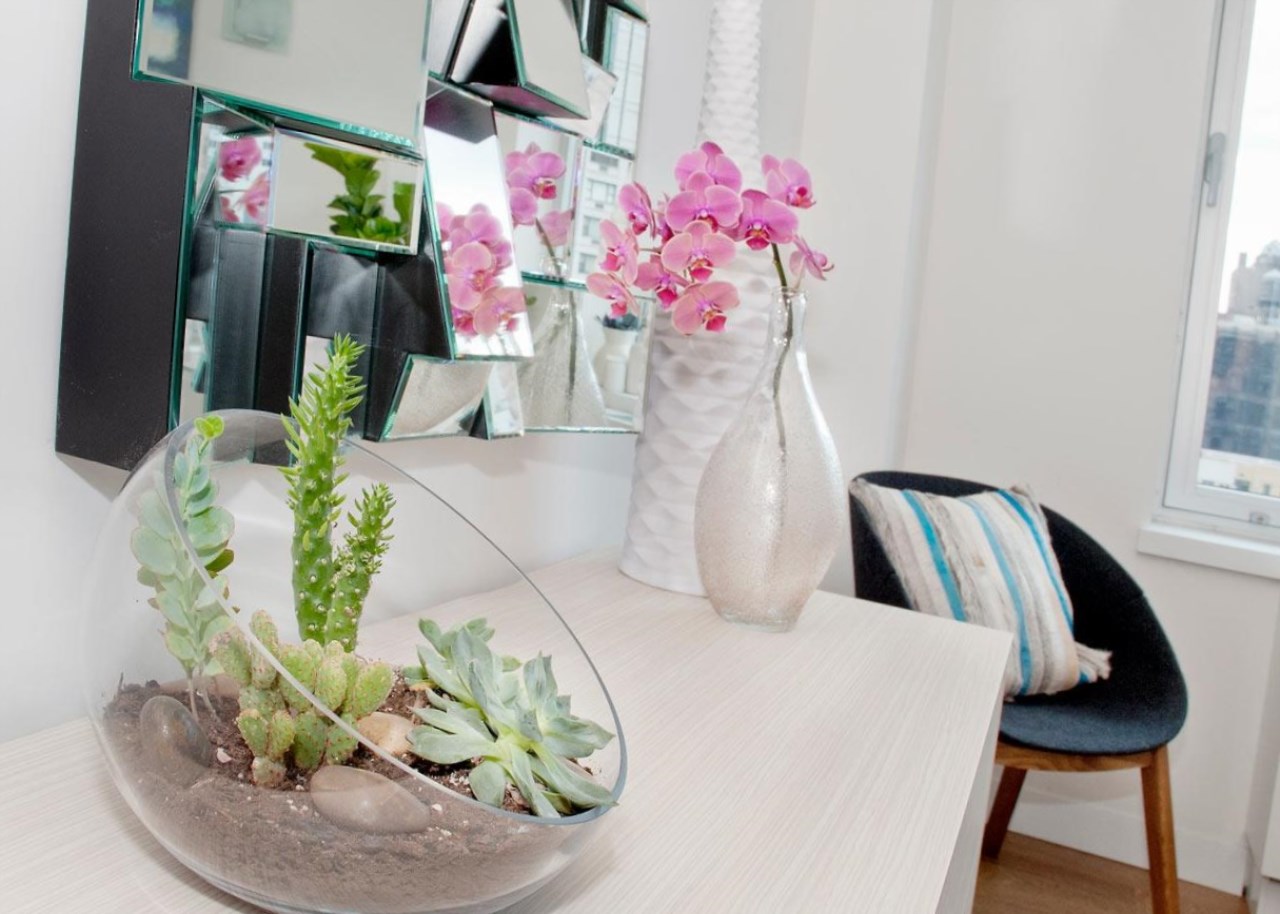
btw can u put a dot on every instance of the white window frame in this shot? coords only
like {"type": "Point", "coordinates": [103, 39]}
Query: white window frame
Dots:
{"type": "Point", "coordinates": [1185, 501]}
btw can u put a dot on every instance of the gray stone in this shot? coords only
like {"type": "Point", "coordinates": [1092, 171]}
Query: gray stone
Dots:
{"type": "Point", "coordinates": [389, 732]}
{"type": "Point", "coordinates": [175, 741]}
{"type": "Point", "coordinates": [365, 801]}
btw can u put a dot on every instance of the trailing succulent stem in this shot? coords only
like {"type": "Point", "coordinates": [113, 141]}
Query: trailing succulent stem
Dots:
{"type": "Point", "coordinates": [330, 586]}
{"type": "Point", "coordinates": [277, 721]}
{"type": "Point", "coordinates": [507, 715]}
{"type": "Point", "coordinates": [192, 611]}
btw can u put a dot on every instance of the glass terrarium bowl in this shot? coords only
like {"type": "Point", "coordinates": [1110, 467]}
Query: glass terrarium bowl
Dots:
{"type": "Point", "coordinates": [401, 836]}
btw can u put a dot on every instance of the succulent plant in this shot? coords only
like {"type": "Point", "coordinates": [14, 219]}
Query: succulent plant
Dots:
{"type": "Point", "coordinates": [276, 720]}
{"type": "Point", "coordinates": [509, 716]}
{"type": "Point", "coordinates": [330, 587]}
{"type": "Point", "coordinates": [193, 614]}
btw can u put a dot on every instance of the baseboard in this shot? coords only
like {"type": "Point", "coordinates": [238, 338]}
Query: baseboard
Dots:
{"type": "Point", "coordinates": [1101, 829]}
{"type": "Point", "coordinates": [1263, 894]}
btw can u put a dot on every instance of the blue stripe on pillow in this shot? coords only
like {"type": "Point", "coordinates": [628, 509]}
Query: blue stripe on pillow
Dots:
{"type": "Point", "coordinates": [1024, 641]}
{"type": "Point", "coordinates": [939, 561]}
{"type": "Point", "coordinates": [1044, 556]}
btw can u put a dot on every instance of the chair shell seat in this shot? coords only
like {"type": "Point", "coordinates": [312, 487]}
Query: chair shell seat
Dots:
{"type": "Point", "coordinates": [1143, 704]}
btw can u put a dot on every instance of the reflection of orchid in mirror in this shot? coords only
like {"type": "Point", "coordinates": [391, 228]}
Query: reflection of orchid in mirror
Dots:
{"type": "Point", "coordinates": [244, 179]}
{"type": "Point", "coordinates": [533, 176]}
{"type": "Point", "coordinates": [697, 231]}
{"type": "Point", "coordinates": [475, 253]}
{"type": "Point", "coordinates": [360, 210]}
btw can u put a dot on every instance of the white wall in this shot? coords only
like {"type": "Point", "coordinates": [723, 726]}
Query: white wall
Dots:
{"type": "Point", "coordinates": [875, 82]}
{"type": "Point", "coordinates": [1048, 349]}
{"type": "Point", "coordinates": [543, 497]}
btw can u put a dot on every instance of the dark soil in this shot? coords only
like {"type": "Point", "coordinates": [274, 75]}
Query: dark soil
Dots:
{"type": "Point", "coordinates": [274, 845]}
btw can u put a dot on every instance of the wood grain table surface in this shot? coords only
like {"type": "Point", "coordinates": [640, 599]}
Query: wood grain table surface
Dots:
{"type": "Point", "coordinates": [830, 769]}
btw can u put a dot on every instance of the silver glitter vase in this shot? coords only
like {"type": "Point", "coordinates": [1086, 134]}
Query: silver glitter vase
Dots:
{"type": "Point", "coordinates": [767, 520]}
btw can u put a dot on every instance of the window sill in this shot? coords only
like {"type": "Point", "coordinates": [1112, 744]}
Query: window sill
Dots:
{"type": "Point", "coordinates": [1211, 548]}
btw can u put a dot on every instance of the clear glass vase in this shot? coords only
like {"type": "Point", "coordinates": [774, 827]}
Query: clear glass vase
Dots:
{"type": "Point", "coordinates": [767, 520]}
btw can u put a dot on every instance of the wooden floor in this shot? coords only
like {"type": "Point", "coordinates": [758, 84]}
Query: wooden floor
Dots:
{"type": "Point", "coordinates": [1034, 877]}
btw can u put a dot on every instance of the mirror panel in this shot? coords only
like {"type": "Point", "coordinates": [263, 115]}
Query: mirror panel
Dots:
{"type": "Point", "coordinates": [601, 175]}
{"type": "Point", "coordinates": [600, 87]}
{"type": "Point", "coordinates": [438, 399]}
{"type": "Point", "coordinates": [355, 67]}
{"type": "Point", "coordinates": [503, 413]}
{"type": "Point", "coordinates": [637, 7]}
{"type": "Point", "coordinates": [626, 44]}
{"type": "Point", "coordinates": [590, 371]}
{"type": "Point", "coordinates": [447, 20]}
{"type": "Point", "coordinates": [523, 53]}
{"type": "Point", "coordinates": [471, 225]}
{"type": "Point", "coordinates": [541, 169]}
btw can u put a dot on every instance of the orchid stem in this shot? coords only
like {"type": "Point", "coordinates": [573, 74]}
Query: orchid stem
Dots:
{"type": "Point", "coordinates": [777, 265]}
{"type": "Point", "coordinates": [551, 251]}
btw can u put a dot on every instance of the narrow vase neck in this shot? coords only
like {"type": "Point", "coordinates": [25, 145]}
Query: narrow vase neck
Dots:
{"type": "Point", "coordinates": [786, 323]}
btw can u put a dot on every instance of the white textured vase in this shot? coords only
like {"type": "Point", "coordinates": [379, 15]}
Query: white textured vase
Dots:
{"type": "Point", "coordinates": [697, 386]}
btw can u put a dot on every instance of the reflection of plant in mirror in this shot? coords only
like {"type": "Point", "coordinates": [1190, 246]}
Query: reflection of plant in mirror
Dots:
{"type": "Point", "coordinates": [476, 252]}
{"type": "Point", "coordinates": [507, 715]}
{"type": "Point", "coordinates": [276, 720]}
{"type": "Point", "coordinates": [360, 209]}
{"type": "Point", "coordinates": [330, 586]}
{"type": "Point", "coordinates": [192, 612]}
{"type": "Point", "coordinates": [532, 176]}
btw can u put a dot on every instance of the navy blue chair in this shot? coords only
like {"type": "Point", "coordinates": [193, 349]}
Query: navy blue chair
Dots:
{"type": "Point", "coordinates": [1125, 721]}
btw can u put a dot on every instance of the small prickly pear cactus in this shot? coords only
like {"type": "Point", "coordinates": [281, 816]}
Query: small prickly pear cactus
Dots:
{"type": "Point", "coordinates": [277, 721]}
{"type": "Point", "coordinates": [330, 586]}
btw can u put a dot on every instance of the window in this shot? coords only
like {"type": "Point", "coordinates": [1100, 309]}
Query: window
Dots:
{"type": "Point", "coordinates": [1225, 461]}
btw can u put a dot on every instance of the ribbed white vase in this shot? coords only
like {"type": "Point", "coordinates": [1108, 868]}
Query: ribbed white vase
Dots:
{"type": "Point", "coordinates": [697, 386]}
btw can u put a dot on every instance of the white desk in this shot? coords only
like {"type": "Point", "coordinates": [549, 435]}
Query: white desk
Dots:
{"type": "Point", "coordinates": [842, 767]}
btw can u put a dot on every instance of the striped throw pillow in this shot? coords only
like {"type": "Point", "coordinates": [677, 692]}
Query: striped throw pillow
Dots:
{"type": "Point", "coordinates": [987, 559]}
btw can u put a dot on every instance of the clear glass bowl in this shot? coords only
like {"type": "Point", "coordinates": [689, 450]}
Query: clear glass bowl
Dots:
{"type": "Point", "coordinates": [406, 842]}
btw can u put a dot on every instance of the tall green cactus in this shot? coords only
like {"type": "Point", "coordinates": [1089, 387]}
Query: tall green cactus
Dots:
{"type": "Point", "coordinates": [192, 612]}
{"type": "Point", "coordinates": [276, 720]}
{"type": "Point", "coordinates": [330, 587]}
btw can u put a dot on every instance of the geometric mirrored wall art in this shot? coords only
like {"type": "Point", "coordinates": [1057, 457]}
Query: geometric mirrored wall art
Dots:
{"type": "Point", "coordinates": [264, 177]}
{"type": "Point", "coordinates": [392, 170]}
{"type": "Point", "coordinates": [540, 164]}
{"type": "Point", "coordinates": [591, 368]}
{"type": "Point", "coordinates": [471, 229]}
{"type": "Point", "coordinates": [358, 68]}
{"type": "Point", "coordinates": [525, 55]}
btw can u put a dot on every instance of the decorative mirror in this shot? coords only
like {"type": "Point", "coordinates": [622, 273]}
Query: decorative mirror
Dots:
{"type": "Point", "coordinates": [240, 198]}
{"type": "Point", "coordinates": [313, 60]}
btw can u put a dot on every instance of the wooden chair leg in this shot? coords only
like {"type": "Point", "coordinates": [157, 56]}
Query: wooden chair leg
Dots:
{"type": "Point", "coordinates": [1157, 801]}
{"type": "Point", "coordinates": [1002, 811]}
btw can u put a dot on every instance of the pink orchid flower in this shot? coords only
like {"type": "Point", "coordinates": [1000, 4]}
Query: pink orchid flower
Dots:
{"type": "Point", "coordinates": [524, 205]}
{"type": "Point", "coordinates": [634, 200]}
{"type": "Point", "coordinates": [535, 171]}
{"type": "Point", "coordinates": [709, 159]}
{"type": "Point", "coordinates": [704, 201]}
{"type": "Point", "coordinates": [788, 182]}
{"type": "Point", "coordinates": [470, 272]}
{"type": "Point", "coordinates": [556, 226]}
{"type": "Point", "coordinates": [704, 306]}
{"type": "Point", "coordinates": [227, 211]}
{"type": "Point", "coordinates": [806, 259]}
{"type": "Point", "coordinates": [621, 251]}
{"type": "Point", "coordinates": [257, 198]}
{"type": "Point", "coordinates": [464, 322]}
{"type": "Point", "coordinates": [653, 277]}
{"type": "Point", "coordinates": [765, 221]}
{"type": "Point", "coordinates": [699, 250]}
{"type": "Point", "coordinates": [497, 310]}
{"type": "Point", "coordinates": [236, 158]}
{"type": "Point", "coordinates": [614, 291]}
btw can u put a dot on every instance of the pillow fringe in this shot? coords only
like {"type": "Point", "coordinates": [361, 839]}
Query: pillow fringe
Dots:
{"type": "Point", "coordinates": [1095, 663]}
